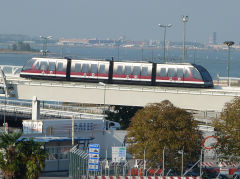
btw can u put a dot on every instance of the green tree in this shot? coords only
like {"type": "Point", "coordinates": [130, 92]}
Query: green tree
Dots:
{"type": "Point", "coordinates": [163, 126]}
{"type": "Point", "coordinates": [9, 163]}
{"type": "Point", "coordinates": [21, 158]}
{"type": "Point", "coordinates": [122, 114]}
{"type": "Point", "coordinates": [227, 128]}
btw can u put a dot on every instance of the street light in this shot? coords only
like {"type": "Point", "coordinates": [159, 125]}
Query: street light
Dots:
{"type": "Point", "coordinates": [229, 44]}
{"type": "Point", "coordinates": [44, 50]}
{"type": "Point", "coordinates": [185, 20]}
{"type": "Point", "coordinates": [103, 84]}
{"type": "Point", "coordinates": [164, 38]}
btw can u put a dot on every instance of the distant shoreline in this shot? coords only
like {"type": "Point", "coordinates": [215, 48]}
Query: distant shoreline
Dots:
{"type": "Point", "coordinates": [17, 51]}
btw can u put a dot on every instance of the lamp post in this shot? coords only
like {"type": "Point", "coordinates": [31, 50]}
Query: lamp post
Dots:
{"type": "Point", "coordinates": [44, 50]}
{"type": "Point", "coordinates": [185, 20]}
{"type": "Point", "coordinates": [103, 84]}
{"type": "Point", "coordinates": [229, 44]}
{"type": "Point", "coordinates": [164, 38]}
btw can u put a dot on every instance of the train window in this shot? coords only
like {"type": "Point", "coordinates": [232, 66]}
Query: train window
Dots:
{"type": "Point", "coordinates": [163, 72]}
{"type": "Point", "coordinates": [77, 67]}
{"type": "Point", "coordinates": [180, 72]}
{"type": "Point", "coordinates": [43, 65]}
{"type": "Point", "coordinates": [29, 64]}
{"type": "Point", "coordinates": [195, 73]}
{"type": "Point", "coordinates": [119, 70]}
{"type": "Point", "coordinates": [52, 66]}
{"type": "Point", "coordinates": [144, 71]}
{"type": "Point", "coordinates": [94, 68]}
{"type": "Point", "coordinates": [60, 67]}
{"type": "Point", "coordinates": [171, 72]}
{"type": "Point", "coordinates": [128, 70]}
{"type": "Point", "coordinates": [186, 74]}
{"type": "Point", "coordinates": [102, 69]}
{"type": "Point", "coordinates": [85, 68]}
{"type": "Point", "coordinates": [136, 70]}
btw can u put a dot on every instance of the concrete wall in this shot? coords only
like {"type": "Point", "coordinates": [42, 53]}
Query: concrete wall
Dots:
{"type": "Point", "coordinates": [197, 99]}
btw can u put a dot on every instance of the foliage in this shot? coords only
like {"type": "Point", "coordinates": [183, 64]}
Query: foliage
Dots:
{"type": "Point", "coordinates": [163, 126]}
{"type": "Point", "coordinates": [122, 115]}
{"type": "Point", "coordinates": [20, 158]}
{"type": "Point", "coordinates": [9, 164]}
{"type": "Point", "coordinates": [21, 46]}
{"type": "Point", "coordinates": [227, 128]}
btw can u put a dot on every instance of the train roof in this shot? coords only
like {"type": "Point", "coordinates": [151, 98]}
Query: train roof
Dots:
{"type": "Point", "coordinates": [107, 60]}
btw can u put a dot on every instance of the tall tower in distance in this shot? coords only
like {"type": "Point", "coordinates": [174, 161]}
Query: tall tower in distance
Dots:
{"type": "Point", "coordinates": [214, 38]}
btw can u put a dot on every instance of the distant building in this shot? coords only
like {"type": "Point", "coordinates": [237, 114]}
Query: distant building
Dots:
{"type": "Point", "coordinates": [64, 41]}
{"type": "Point", "coordinates": [213, 39]}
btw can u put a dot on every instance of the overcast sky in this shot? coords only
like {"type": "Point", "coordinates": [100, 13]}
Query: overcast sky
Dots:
{"type": "Point", "coordinates": [135, 19]}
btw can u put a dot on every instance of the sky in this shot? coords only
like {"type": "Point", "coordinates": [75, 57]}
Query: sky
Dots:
{"type": "Point", "coordinates": [135, 19]}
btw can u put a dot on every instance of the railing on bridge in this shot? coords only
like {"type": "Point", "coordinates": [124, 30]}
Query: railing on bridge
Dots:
{"type": "Point", "coordinates": [223, 81]}
{"type": "Point", "coordinates": [51, 110]}
{"type": "Point", "coordinates": [11, 70]}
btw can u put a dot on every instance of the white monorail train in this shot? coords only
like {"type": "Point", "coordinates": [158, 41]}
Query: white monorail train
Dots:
{"type": "Point", "coordinates": [115, 72]}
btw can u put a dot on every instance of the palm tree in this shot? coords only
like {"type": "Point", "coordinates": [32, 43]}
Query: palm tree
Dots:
{"type": "Point", "coordinates": [20, 157]}
{"type": "Point", "coordinates": [9, 163]}
{"type": "Point", "coordinates": [33, 157]}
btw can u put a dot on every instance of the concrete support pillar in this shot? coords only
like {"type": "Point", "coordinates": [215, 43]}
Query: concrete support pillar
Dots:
{"type": "Point", "coordinates": [35, 109]}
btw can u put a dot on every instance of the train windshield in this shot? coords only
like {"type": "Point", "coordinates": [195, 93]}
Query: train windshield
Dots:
{"type": "Point", "coordinates": [29, 64]}
{"type": "Point", "coordinates": [205, 75]}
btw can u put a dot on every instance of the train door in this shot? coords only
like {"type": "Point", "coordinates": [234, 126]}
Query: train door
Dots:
{"type": "Point", "coordinates": [85, 70]}
{"type": "Point", "coordinates": [75, 73]}
{"type": "Point", "coordinates": [136, 72]}
{"type": "Point", "coordinates": [61, 67]}
{"type": "Point", "coordinates": [187, 76]}
{"type": "Point", "coordinates": [161, 74]}
{"type": "Point", "coordinates": [128, 72]}
{"type": "Point", "coordinates": [146, 73]}
{"type": "Point", "coordinates": [41, 68]}
{"type": "Point", "coordinates": [118, 72]}
{"type": "Point", "coordinates": [93, 71]}
{"type": "Point", "coordinates": [52, 68]}
{"type": "Point", "coordinates": [180, 75]}
{"type": "Point", "coordinates": [103, 70]}
{"type": "Point", "coordinates": [172, 74]}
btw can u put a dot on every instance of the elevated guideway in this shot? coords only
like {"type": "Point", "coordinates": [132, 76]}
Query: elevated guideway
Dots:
{"type": "Point", "coordinates": [130, 95]}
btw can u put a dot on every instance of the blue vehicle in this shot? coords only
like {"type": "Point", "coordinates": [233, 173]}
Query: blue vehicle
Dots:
{"type": "Point", "coordinates": [236, 174]}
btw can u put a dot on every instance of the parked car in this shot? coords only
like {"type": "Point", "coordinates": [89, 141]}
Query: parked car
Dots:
{"type": "Point", "coordinates": [218, 175]}
{"type": "Point", "coordinates": [236, 174]}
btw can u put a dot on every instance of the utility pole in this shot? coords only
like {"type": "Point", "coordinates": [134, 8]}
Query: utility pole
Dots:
{"type": "Point", "coordinates": [72, 130]}
{"type": "Point", "coordinates": [185, 20]}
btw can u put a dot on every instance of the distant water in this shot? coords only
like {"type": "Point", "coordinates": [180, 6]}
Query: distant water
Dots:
{"type": "Point", "coordinates": [214, 61]}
